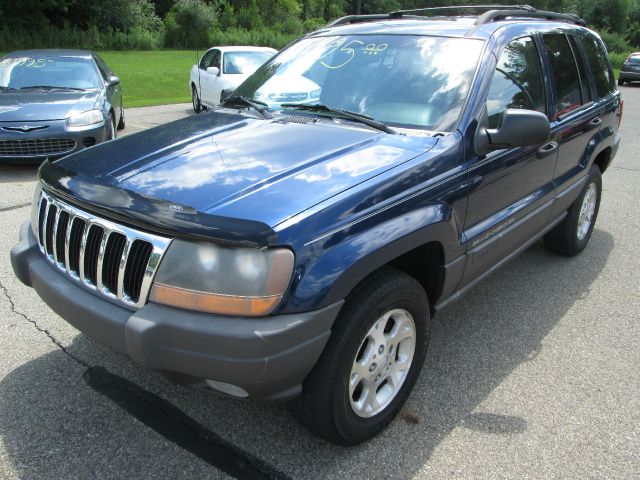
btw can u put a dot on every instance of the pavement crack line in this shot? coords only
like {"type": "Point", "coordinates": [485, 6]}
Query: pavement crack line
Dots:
{"type": "Point", "coordinates": [165, 418]}
{"type": "Point", "coordinates": [14, 207]}
{"type": "Point", "coordinates": [53, 339]}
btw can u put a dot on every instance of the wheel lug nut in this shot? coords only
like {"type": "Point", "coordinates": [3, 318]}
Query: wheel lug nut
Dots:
{"type": "Point", "coordinates": [381, 349]}
{"type": "Point", "coordinates": [377, 377]}
{"type": "Point", "coordinates": [372, 367]}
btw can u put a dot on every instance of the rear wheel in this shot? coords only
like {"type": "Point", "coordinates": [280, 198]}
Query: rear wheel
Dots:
{"type": "Point", "coordinates": [571, 235]}
{"type": "Point", "coordinates": [371, 361]}
{"type": "Point", "coordinates": [195, 100]}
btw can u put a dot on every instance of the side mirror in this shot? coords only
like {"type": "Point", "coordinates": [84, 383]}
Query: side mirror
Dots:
{"type": "Point", "coordinates": [213, 70]}
{"type": "Point", "coordinates": [518, 128]}
{"type": "Point", "coordinates": [113, 80]}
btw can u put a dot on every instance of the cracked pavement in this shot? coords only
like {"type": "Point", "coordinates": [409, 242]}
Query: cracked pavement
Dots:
{"type": "Point", "coordinates": [533, 374]}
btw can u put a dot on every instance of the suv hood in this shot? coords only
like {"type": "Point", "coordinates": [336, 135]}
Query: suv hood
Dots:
{"type": "Point", "coordinates": [194, 173]}
{"type": "Point", "coordinates": [38, 105]}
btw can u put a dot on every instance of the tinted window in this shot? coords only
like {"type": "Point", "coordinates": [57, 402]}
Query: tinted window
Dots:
{"type": "Point", "coordinates": [565, 74]}
{"type": "Point", "coordinates": [582, 70]}
{"type": "Point", "coordinates": [216, 59]}
{"type": "Point", "coordinates": [633, 60]}
{"type": "Point", "coordinates": [517, 81]}
{"type": "Point", "coordinates": [410, 81]}
{"type": "Point", "coordinates": [63, 72]}
{"type": "Point", "coordinates": [599, 61]}
{"type": "Point", "coordinates": [206, 59]}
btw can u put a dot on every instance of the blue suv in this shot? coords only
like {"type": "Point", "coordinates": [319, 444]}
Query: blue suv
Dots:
{"type": "Point", "coordinates": [294, 243]}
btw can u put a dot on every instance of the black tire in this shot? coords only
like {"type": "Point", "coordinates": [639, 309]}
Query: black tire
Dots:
{"type": "Point", "coordinates": [111, 131]}
{"type": "Point", "coordinates": [569, 236]}
{"type": "Point", "coordinates": [324, 406]}
{"type": "Point", "coordinates": [121, 122]}
{"type": "Point", "coordinates": [195, 100]}
{"type": "Point", "coordinates": [620, 82]}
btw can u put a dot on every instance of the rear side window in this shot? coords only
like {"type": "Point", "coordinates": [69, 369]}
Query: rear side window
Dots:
{"type": "Point", "coordinates": [564, 71]}
{"type": "Point", "coordinates": [517, 81]}
{"type": "Point", "coordinates": [582, 70]}
{"type": "Point", "coordinates": [599, 61]}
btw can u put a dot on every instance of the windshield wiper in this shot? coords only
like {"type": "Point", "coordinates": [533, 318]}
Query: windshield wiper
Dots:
{"type": "Point", "coordinates": [356, 117]}
{"type": "Point", "coordinates": [51, 87]}
{"type": "Point", "coordinates": [6, 89]}
{"type": "Point", "coordinates": [257, 105]}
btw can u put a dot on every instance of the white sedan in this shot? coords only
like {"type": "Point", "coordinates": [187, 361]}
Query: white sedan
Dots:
{"type": "Point", "coordinates": [223, 68]}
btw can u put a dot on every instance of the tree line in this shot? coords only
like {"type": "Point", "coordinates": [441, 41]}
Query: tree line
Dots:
{"type": "Point", "coordinates": [155, 24]}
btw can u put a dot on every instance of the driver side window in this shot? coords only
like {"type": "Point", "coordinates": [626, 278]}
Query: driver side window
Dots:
{"type": "Point", "coordinates": [517, 81]}
{"type": "Point", "coordinates": [206, 59]}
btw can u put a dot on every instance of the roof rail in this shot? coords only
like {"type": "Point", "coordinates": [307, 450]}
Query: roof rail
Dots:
{"type": "Point", "coordinates": [493, 15]}
{"type": "Point", "coordinates": [490, 13]}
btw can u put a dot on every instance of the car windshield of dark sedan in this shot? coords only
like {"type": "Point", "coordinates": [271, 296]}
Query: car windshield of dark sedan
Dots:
{"type": "Point", "coordinates": [243, 63]}
{"type": "Point", "coordinates": [634, 60]}
{"type": "Point", "coordinates": [48, 72]}
{"type": "Point", "coordinates": [406, 81]}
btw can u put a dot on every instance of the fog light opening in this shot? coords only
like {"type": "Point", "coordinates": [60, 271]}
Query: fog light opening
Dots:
{"type": "Point", "coordinates": [228, 389]}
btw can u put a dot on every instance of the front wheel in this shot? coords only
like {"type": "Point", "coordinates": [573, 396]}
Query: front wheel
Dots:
{"type": "Point", "coordinates": [195, 100]}
{"type": "Point", "coordinates": [620, 82]}
{"type": "Point", "coordinates": [371, 362]}
{"type": "Point", "coordinates": [572, 234]}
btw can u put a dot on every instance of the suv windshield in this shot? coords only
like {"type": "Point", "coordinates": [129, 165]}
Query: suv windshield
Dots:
{"type": "Point", "coordinates": [401, 80]}
{"type": "Point", "coordinates": [53, 72]}
{"type": "Point", "coordinates": [634, 60]}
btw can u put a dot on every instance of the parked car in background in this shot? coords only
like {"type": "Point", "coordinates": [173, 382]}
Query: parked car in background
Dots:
{"type": "Point", "coordinates": [56, 102]}
{"type": "Point", "coordinates": [223, 68]}
{"type": "Point", "coordinates": [630, 71]}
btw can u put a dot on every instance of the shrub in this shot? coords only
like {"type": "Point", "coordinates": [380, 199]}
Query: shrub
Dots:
{"type": "Point", "coordinates": [614, 41]}
{"type": "Point", "coordinates": [188, 24]}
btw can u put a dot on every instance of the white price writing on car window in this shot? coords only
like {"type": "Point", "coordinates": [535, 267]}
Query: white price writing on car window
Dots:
{"type": "Point", "coordinates": [344, 53]}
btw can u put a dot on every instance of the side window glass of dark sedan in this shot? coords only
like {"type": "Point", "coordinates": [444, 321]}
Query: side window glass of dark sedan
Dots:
{"type": "Point", "coordinates": [568, 88]}
{"type": "Point", "coordinates": [517, 81]}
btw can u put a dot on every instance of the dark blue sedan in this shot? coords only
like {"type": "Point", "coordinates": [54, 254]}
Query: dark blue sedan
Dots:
{"type": "Point", "coordinates": [55, 102]}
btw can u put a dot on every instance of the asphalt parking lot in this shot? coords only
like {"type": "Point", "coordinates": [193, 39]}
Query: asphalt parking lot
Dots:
{"type": "Point", "coordinates": [534, 374]}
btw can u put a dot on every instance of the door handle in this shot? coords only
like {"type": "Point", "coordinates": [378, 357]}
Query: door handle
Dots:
{"type": "Point", "coordinates": [546, 150]}
{"type": "Point", "coordinates": [595, 123]}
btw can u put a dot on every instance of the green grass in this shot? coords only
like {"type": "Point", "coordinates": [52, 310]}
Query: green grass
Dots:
{"type": "Point", "coordinates": [153, 78]}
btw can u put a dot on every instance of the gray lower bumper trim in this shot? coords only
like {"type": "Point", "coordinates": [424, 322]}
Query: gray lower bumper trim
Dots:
{"type": "Point", "coordinates": [268, 357]}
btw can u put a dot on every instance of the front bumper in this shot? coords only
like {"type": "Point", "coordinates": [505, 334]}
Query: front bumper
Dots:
{"type": "Point", "coordinates": [267, 357]}
{"type": "Point", "coordinates": [83, 137]}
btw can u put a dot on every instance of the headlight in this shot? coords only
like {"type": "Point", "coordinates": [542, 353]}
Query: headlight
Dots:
{"type": "Point", "coordinates": [228, 281]}
{"type": "Point", "coordinates": [83, 119]}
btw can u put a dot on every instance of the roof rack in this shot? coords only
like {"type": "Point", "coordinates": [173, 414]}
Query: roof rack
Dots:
{"type": "Point", "coordinates": [490, 13]}
{"type": "Point", "coordinates": [493, 15]}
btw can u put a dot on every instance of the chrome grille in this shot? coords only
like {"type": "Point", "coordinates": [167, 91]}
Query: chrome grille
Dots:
{"type": "Point", "coordinates": [112, 260]}
{"type": "Point", "coordinates": [36, 147]}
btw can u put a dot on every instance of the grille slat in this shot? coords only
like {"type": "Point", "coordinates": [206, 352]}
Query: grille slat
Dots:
{"type": "Point", "coordinates": [60, 236]}
{"type": "Point", "coordinates": [75, 240]}
{"type": "Point", "coordinates": [48, 229]}
{"type": "Point", "coordinates": [36, 147]}
{"type": "Point", "coordinates": [92, 249]}
{"type": "Point", "coordinates": [113, 260]}
{"type": "Point", "coordinates": [136, 266]}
